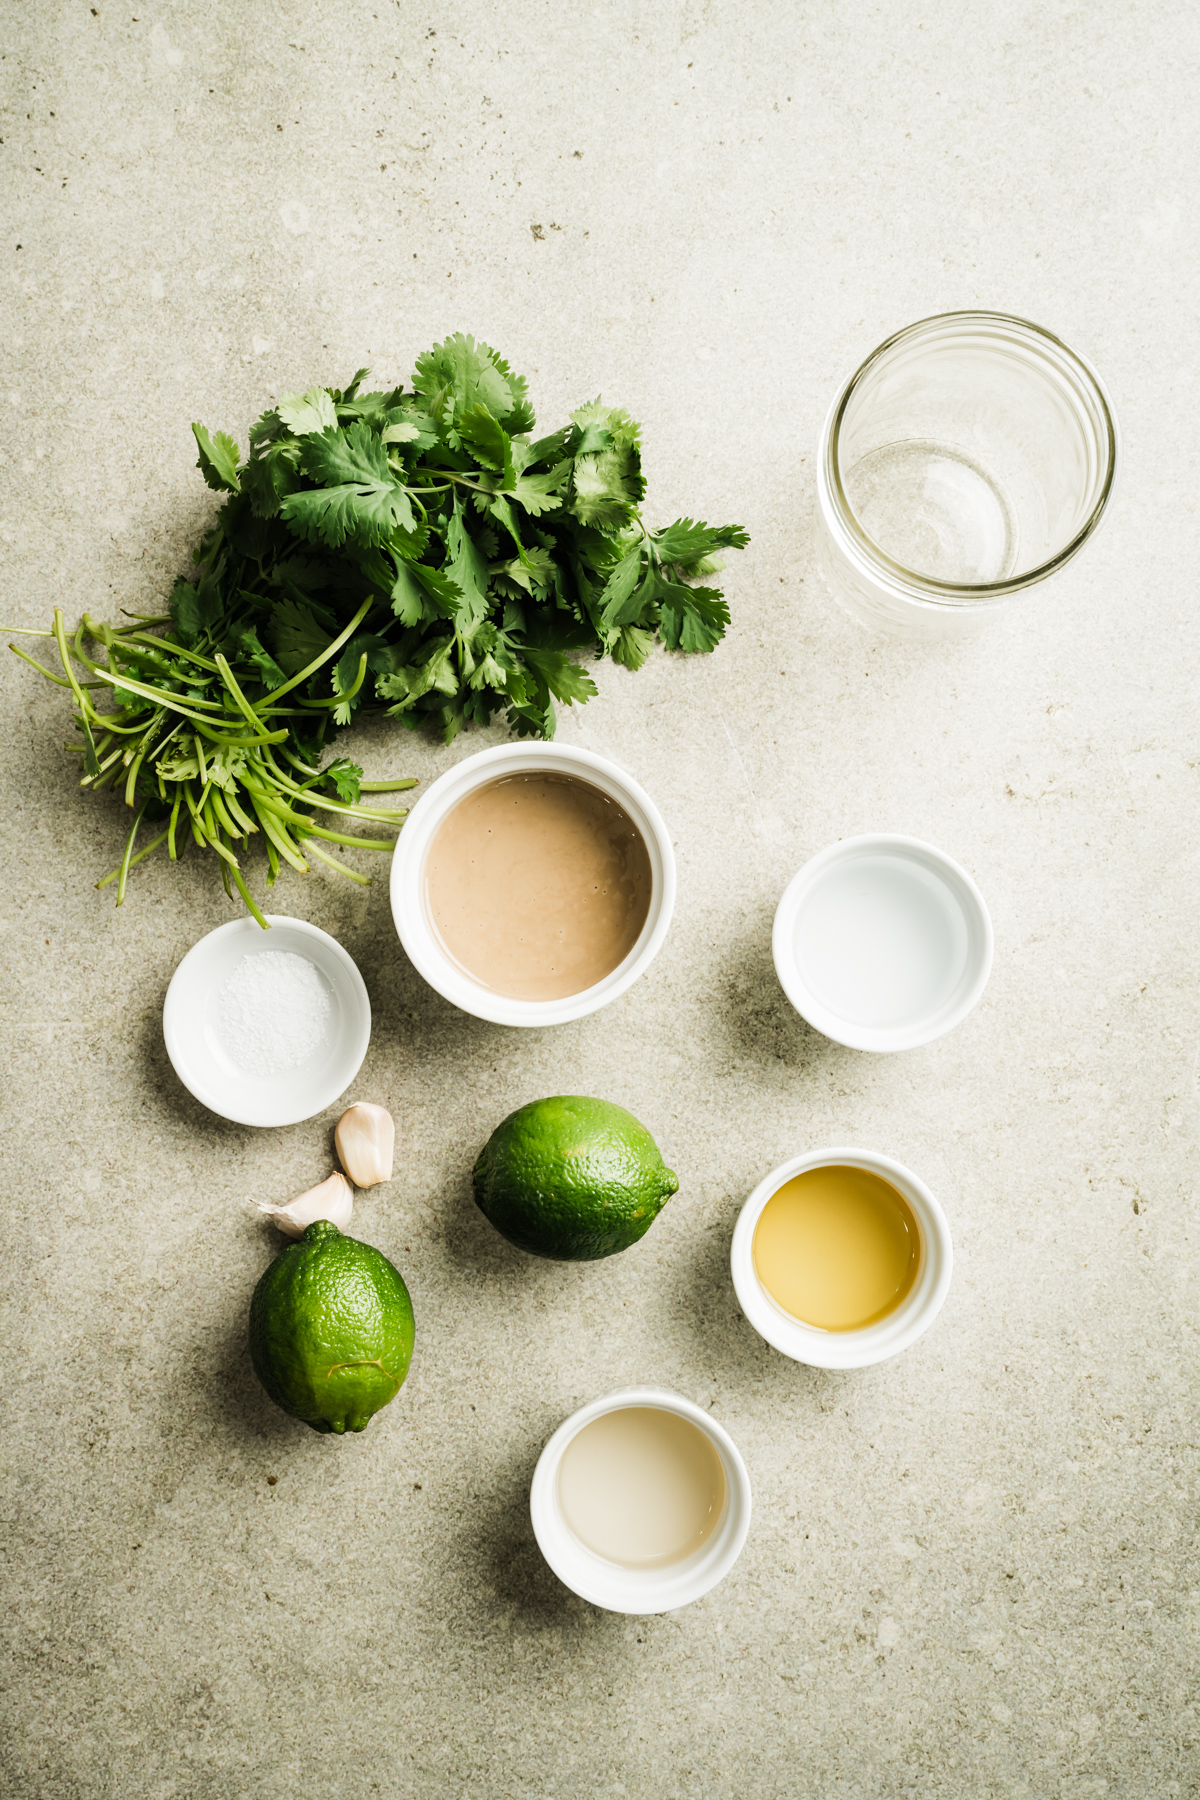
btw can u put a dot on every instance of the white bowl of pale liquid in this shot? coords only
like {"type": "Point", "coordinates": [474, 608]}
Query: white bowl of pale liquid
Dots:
{"type": "Point", "coordinates": [671, 1580]}
{"type": "Point", "coordinates": [882, 942]}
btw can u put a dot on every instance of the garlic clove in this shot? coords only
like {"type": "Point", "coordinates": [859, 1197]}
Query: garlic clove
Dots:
{"type": "Point", "coordinates": [333, 1199]}
{"type": "Point", "coordinates": [366, 1142]}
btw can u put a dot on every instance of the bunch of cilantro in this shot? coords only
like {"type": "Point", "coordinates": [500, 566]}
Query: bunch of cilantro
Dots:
{"type": "Point", "coordinates": [489, 555]}
{"type": "Point", "coordinates": [414, 552]}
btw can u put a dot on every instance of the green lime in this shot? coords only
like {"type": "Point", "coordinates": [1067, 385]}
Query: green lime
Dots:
{"type": "Point", "coordinates": [331, 1330]}
{"type": "Point", "coordinates": [572, 1178]}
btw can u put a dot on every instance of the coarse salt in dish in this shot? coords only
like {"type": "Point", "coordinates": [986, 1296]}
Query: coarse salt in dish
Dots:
{"type": "Point", "coordinates": [273, 1012]}
{"type": "Point", "coordinates": [267, 1027]}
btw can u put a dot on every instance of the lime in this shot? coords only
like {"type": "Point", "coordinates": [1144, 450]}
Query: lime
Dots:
{"type": "Point", "coordinates": [331, 1330]}
{"type": "Point", "coordinates": [572, 1178]}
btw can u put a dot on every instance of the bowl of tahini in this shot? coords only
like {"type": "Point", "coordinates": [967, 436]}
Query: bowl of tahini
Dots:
{"type": "Point", "coordinates": [533, 883]}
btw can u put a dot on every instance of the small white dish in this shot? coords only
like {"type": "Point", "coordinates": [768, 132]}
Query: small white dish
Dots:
{"type": "Point", "coordinates": [422, 943]}
{"type": "Point", "coordinates": [882, 942]}
{"type": "Point", "coordinates": [872, 1343]}
{"type": "Point", "coordinates": [609, 1584]}
{"type": "Point", "coordinates": [194, 1044]}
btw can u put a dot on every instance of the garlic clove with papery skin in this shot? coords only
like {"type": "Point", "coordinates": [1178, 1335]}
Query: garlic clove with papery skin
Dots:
{"type": "Point", "coordinates": [366, 1142]}
{"type": "Point", "coordinates": [333, 1199]}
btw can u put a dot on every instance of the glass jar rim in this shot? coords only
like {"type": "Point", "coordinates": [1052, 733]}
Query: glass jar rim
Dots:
{"type": "Point", "coordinates": [944, 592]}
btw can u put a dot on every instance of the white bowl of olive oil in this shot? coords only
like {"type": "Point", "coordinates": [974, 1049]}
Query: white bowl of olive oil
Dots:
{"type": "Point", "coordinates": [841, 1258]}
{"type": "Point", "coordinates": [640, 1501]}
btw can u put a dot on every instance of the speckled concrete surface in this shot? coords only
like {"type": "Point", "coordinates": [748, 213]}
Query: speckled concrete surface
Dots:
{"type": "Point", "coordinates": [972, 1572]}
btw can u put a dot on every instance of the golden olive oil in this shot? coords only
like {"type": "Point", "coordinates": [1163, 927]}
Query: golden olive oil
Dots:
{"type": "Point", "coordinates": [837, 1247]}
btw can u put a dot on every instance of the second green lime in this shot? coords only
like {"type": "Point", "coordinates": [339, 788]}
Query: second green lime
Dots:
{"type": "Point", "coordinates": [572, 1178]}
{"type": "Point", "coordinates": [331, 1330]}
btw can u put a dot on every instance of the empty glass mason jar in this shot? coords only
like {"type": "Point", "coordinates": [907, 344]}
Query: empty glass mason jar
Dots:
{"type": "Point", "coordinates": [969, 457]}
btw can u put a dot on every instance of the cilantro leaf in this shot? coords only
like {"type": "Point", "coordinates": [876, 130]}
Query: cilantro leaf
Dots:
{"type": "Point", "coordinates": [532, 569]}
{"type": "Point", "coordinates": [618, 589]}
{"type": "Point", "coordinates": [421, 594]}
{"type": "Point", "coordinates": [459, 374]}
{"type": "Point", "coordinates": [346, 777]}
{"type": "Point", "coordinates": [499, 508]}
{"type": "Point", "coordinates": [264, 664]}
{"type": "Point", "coordinates": [593, 437]}
{"type": "Point", "coordinates": [468, 567]}
{"type": "Point", "coordinates": [607, 484]}
{"type": "Point", "coordinates": [348, 393]}
{"type": "Point", "coordinates": [685, 542]}
{"type": "Point", "coordinates": [564, 680]}
{"type": "Point", "coordinates": [218, 459]}
{"type": "Point", "coordinates": [631, 646]}
{"type": "Point", "coordinates": [490, 442]}
{"type": "Point", "coordinates": [305, 413]}
{"type": "Point", "coordinates": [408, 685]}
{"type": "Point", "coordinates": [269, 476]}
{"type": "Point", "coordinates": [196, 610]}
{"type": "Point", "coordinates": [692, 618]}
{"type": "Point", "coordinates": [541, 493]}
{"type": "Point", "coordinates": [361, 498]}
{"type": "Point", "coordinates": [297, 637]}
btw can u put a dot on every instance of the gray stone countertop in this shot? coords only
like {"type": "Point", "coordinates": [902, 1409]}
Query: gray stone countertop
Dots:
{"type": "Point", "coordinates": [972, 1572]}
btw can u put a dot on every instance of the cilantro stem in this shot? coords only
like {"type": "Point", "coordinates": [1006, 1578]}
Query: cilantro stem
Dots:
{"type": "Point", "coordinates": [244, 891]}
{"type": "Point", "coordinates": [216, 801]}
{"type": "Point", "coordinates": [60, 634]}
{"type": "Point", "coordinates": [123, 871]}
{"type": "Point", "coordinates": [244, 705]}
{"type": "Point", "coordinates": [171, 851]}
{"type": "Point", "coordinates": [325, 655]}
{"type": "Point", "coordinates": [155, 695]}
{"type": "Point", "coordinates": [381, 815]}
{"type": "Point", "coordinates": [451, 475]}
{"type": "Point", "coordinates": [212, 832]}
{"type": "Point", "coordinates": [340, 699]}
{"type": "Point", "coordinates": [35, 664]}
{"type": "Point", "coordinates": [152, 731]}
{"type": "Point", "coordinates": [277, 834]}
{"type": "Point", "coordinates": [355, 843]}
{"type": "Point", "coordinates": [133, 861]}
{"type": "Point", "coordinates": [350, 874]}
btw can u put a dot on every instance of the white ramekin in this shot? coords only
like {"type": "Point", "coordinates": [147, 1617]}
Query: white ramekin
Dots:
{"type": "Point", "coordinates": [953, 916]}
{"type": "Point", "coordinates": [638, 1591]}
{"type": "Point", "coordinates": [194, 1044]}
{"type": "Point", "coordinates": [410, 912]}
{"type": "Point", "coordinates": [874, 1343]}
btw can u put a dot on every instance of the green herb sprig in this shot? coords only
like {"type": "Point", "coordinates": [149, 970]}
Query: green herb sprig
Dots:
{"type": "Point", "coordinates": [418, 553]}
{"type": "Point", "coordinates": [190, 746]}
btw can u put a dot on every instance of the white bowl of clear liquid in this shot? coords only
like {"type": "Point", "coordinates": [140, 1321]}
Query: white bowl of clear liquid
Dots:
{"type": "Point", "coordinates": [969, 458]}
{"type": "Point", "coordinates": [882, 942]}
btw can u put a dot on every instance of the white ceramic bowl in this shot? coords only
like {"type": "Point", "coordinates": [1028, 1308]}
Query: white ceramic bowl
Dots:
{"type": "Point", "coordinates": [882, 942]}
{"type": "Point", "coordinates": [873, 1343]}
{"type": "Point", "coordinates": [607, 1584]}
{"type": "Point", "coordinates": [194, 1044]}
{"type": "Point", "coordinates": [424, 947]}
